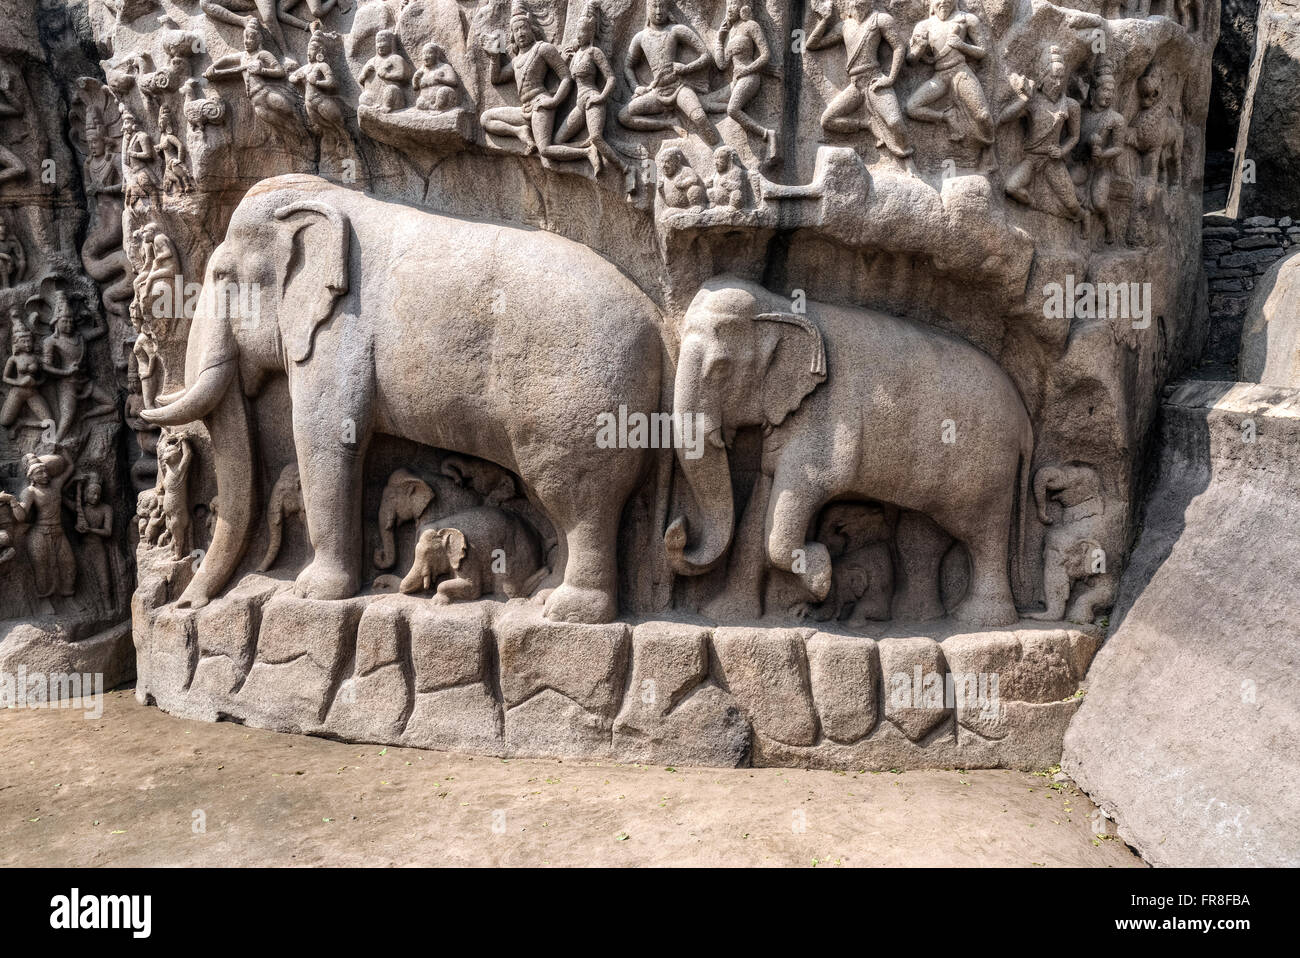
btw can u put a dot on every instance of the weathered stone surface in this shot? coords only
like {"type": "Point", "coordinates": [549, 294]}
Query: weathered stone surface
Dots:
{"type": "Point", "coordinates": [1191, 712]}
{"type": "Point", "coordinates": [448, 646]}
{"type": "Point", "coordinates": [585, 663]}
{"type": "Point", "coordinates": [1270, 336]}
{"type": "Point", "coordinates": [766, 670]}
{"type": "Point", "coordinates": [844, 673]}
{"type": "Point", "coordinates": [462, 717]}
{"type": "Point", "coordinates": [913, 672]}
{"type": "Point", "coordinates": [1269, 133]}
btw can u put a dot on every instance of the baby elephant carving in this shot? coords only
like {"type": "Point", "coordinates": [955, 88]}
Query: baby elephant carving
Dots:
{"type": "Point", "coordinates": [483, 549]}
{"type": "Point", "coordinates": [286, 501]}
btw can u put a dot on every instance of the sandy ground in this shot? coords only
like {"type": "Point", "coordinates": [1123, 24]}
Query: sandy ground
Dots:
{"type": "Point", "coordinates": [139, 787]}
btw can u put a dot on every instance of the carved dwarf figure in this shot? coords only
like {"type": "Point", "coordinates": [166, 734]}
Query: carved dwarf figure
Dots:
{"type": "Point", "coordinates": [23, 375]}
{"type": "Point", "coordinates": [1110, 185]}
{"type": "Point", "coordinates": [1077, 544]}
{"type": "Point", "coordinates": [176, 175]}
{"type": "Point", "coordinates": [531, 58]}
{"type": "Point", "coordinates": [741, 48]}
{"type": "Point", "coordinates": [728, 186]}
{"type": "Point", "coordinates": [437, 88]}
{"type": "Point", "coordinates": [950, 39]}
{"type": "Point", "coordinates": [1051, 132]}
{"type": "Point", "coordinates": [383, 78]}
{"type": "Point", "coordinates": [594, 77]}
{"type": "Point", "coordinates": [13, 261]}
{"type": "Point", "coordinates": [656, 105]}
{"type": "Point", "coordinates": [150, 521]}
{"type": "Point", "coordinates": [869, 102]}
{"type": "Point", "coordinates": [63, 356]}
{"type": "Point", "coordinates": [54, 567]}
{"type": "Point", "coordinates": [263, 75]}
{"type": "Point", "coordinates": [324, 106]}
{"type": "Point", "coordinates": [679, 184]}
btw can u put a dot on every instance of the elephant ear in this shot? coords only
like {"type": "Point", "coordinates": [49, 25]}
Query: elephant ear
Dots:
{"type": "Point", "coordinates": [314, 273]}
{"type": "Point", "coordinates": [456, 547]}
{"type": "Point", "coordinates": [418, 494]}
{"type": "Point", "coordinates": [792, 356]}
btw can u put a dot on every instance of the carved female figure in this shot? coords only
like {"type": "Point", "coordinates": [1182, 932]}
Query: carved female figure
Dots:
{"type": "Point", "coordinates": [176, 176]}
{"type": "Point", "coordinates": [384, 75]}
{"type": "Point", "coordinates": [741, 47]}
{"type": "Point", "coordinates": [435, 82]}
{"type": "Point", "coordinates": [54, 566]}
{"type": "Point", "coordinates": [950, 39]}
{"type": "Point", "coordinates": [595, 80]}
{"type": "Point", "coordinates": [23, 374]}
{"type": "Point", "coordinates": [320, 96]}
{"type": "Point", "coordinates": [148, 363]}
{"type": "Point", "coordinates": [1052, 130]}
{"type": "Point", "coordinates": [63, 355]}
{"type": "Point", "coordinates": [1104, 133]}
{"type": "Point", "coordinates": [260, 69]}
{"type": "Point", "coordinates": [95, 524]}
{"type": "Point", "coordinates": [531, 59]}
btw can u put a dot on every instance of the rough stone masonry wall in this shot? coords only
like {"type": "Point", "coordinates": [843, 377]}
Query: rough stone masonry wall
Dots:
{"type": "Point", "coordinates": [1236, 252]}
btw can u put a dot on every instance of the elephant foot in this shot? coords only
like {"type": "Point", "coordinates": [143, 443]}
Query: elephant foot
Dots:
{"type": "Point", "coordinates": [816, 576]}
{"type": "Point", "coordinates": [571, 603]}
{"type": "Point", "coordinates": [196, 600]}
{"type": "Point", "coordinates": [986, 611]}
{"type": "Point", "coordinates": [319, 581]}
{"type": "Point", "coordinates": [439, 599]}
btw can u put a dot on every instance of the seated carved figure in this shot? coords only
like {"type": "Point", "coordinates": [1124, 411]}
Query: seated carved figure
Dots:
{"type": "Point", "coordinates": [484, 550]}
{"type": "Point", "coordinates": [679, 184]}
{"type": "Point", "coordinates": [436, 85]}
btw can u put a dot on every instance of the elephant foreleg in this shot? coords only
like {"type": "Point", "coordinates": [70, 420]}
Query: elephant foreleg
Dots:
{"type": "Point", "coordinates": [791, 509]}
{"type": "Point", "coordinates": [1056, 588]}
{"type": "Point", "coordinates": [330, 456]}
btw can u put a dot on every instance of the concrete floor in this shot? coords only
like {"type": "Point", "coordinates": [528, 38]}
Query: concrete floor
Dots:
{"type": "Point", "coordinates": [139, 787]}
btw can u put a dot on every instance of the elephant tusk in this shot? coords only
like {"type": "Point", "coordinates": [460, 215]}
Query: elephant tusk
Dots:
{"type": "Point", "coordinates": [197, 401]}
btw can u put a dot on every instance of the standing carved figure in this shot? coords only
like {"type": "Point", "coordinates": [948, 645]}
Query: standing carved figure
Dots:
{"type": "Point", "coordinates": [1077, 544]}
{"type": "Point", "coordinates": [95, 524]}
{"type": "Point", "coordinates": [176, 175]}
{"type": "Point", "coordinates": [656, 105]}
{"type": "Point", "coordinates": [741, 47]}
{"type": "Point", "coordinates": [23, 375]}
{"type": "Point", "coordinates": [173, 491]}
{"type": "Point", "coordinates": [138, 155]}
{"type": "Point", "coordinates": [870, 90]}
{"type": "Point", "coordinates": [13, 261]}
{"type": "Point", "coordinates": [11, 167]}
{"type": "Point", "coordinates": [1051, 132]}
{"type": "Point", "coordinates": [949, 39]}
{"type": "Point", "coordinates": [383, 78]}
{"type": "Point", "coordinates": [594, 77]}
{"type": "Point", "coordinates": [149, 364]}
{"type": "Point", "coordinates": [324, 106]}
{"type": "Point", "coordinates": [530, 60]}
{"type": "Point", "coordinates": [54, 566]}
{"type": "Point", "coordinates": [1110, 184]}
{"type": "Point", "coordinates": [63, 356]}
{"type": "Point", "coordinates": [260, 69]}
{"type": "Point", "coordinates": [437, 88]}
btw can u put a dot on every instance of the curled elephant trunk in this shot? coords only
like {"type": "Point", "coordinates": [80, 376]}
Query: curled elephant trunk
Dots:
{"type": "Point", "coordinates": [708, 473]}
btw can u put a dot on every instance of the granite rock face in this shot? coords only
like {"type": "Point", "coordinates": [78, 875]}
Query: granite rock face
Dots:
{"type": "Point", "coordinates": [1266, 174]}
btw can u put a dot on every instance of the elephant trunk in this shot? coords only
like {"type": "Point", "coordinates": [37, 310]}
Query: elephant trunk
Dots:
{"type": "Point", "coordinates": [214, 352]}
{"type": "Point", "coordinates": [232, 454]}
{"type": "Point", "coordinates": [386, 554]}
{"type": "Point", "coordinates": [708, 473]}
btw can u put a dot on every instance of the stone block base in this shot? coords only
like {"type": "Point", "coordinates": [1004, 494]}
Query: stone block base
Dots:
{"type": "Point", "coordinates": [498, 679]}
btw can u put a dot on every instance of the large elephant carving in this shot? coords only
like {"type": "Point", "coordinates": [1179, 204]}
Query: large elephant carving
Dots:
{"type": "Point", "coordinates": [494, 341]}
{"type": "Point", "coordinates": [854, 404]}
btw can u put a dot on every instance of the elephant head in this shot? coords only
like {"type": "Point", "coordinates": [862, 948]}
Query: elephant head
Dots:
{"type": "Point", "coordinates": [436, 551]}
{"type": "Point", "coordinates": [745, 360]}
{"type": "Point", "coordinates": [268, 287]}
{"type": "Point", "coordinates": [405, 497]}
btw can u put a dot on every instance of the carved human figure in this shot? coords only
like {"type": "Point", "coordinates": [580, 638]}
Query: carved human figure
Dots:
{"type": "Point", "coordinates": [272, 103]}
{"type": "Point", "coordinates": [150, 521]}
{"type": "Point", "coordinates": [869, 102]}
{"type": "Point", "coordinates": [285, 502]}
{"type": "Point", "coordinates": [1077, 545]}
{"type": "Point", "coordinates": [268, 13]}
{"type": "Point", "coordinates": [173, 490]}
{"type": "Point", "coordinates": [1051, 120]}
{"type": "Point", "coordinates": [95, 524]}
{"type": "Point", "coordinates": [40, 505]}
{"type": "Point", "coordinates": [324, 106]}
{"type": "Point", "coordinates": [727, 188]}
{"type": "Point", "coordinates": [483, 549]}
{"type": "Point", "coordinates": [11, 167]}
{"type": "Point", "coordinates": [176, 175]}
{"type": "Point", "coordinates": [529, 61]}
{"type": "Point", "coordinates": [741, 48]}
{"type": "Point", "coordinates": [13, 261]}
{"type": "Point", "coordinates": [437, 88]}
{"type": "Point", "coordinates": [23, 375]}
{"type": "Point", "coordinates": [594, 77]}
{"type": "Point", "coordinates": [63, 356]}
{"type": "Point", "coordinates": [1110, 186]}
{"type": "Point", "coordinates": [1157, 135]}
{"type": "Point", "coordinates": [384, 76]}
{"type": "Point", "coordinates": [657, 105]}
{"type": "Point", "coordinates": [7, 550]}
{"type": "Point", "coordinates": [679, 184]}
{"type": "Point", "coordinates": [950, 39]}
{"type": "Point", "coordinates": [149, 364]}
{"type": "Point", "coordinates": [140, 184]}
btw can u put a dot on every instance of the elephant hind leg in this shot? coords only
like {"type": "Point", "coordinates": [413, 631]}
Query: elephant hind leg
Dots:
{"type": "Point", "coordinates": [589, 592]}
{"type": "Point", "coordinates": [988, 601]}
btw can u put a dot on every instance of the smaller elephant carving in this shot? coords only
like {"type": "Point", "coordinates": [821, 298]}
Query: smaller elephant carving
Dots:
{"type": "Point", "coordinates": [493, 484]}
{"type": "Point", "coordinates": [1079, 544]}
{"type": "Point", "coordinates": [857, 536]}
{"type": "Point", "coordinates": [408, 498]}
{"type": "Point", "coordinates": [286, 501]}
{"type": "Point", "coordinates": [483, 550]}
